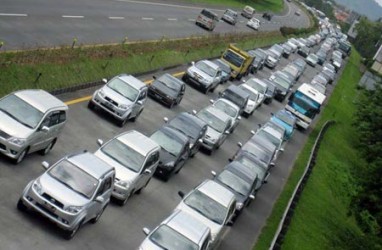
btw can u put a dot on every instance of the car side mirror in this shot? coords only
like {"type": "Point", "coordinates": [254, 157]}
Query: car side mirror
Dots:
{"type": "Point", "coordinates": [252, 197]}
{"type": "Point", "coordinates": [181, 194]}
{"type": "Point", "coordinates": [194, 111]}
{"type": "Point", "coordinates": [211, 101]}
{"type": "Point", "coordinates": [243, 81]}
{"type": "Point", "coordinates": [104, 80]}
{"type": "Point", "coordinates": [165, 119]}
{"type": "Point", "coordinates": [154, 77]}
{"type": "Point", "coordinates": [146, 231]}
{"type": "Point", "coordinates": [45, 164]}
{"type": "Point", "coordinates": [200, 141]}
{"type": "Point", "coordinates": [229, 223]}
{"type": "Point", "coordinates": [213, 173]}
{"type": "Point", "coordinates": [192, 63]}
{"type": "Point", "coordinates": [227, 132]}
{"type": "Point", "coordinates": [99, 142]}
{"type": "Point", "coordinates": [239, 117]}
{"type": "Point", "coordinates": [272, 114]}
{"type": "Point", "coordinates": [253, 132]}
{"type": "Point", "coordinates": [147, 171]}
{"type": "Point", "coordinates": [140, 102]}
{"type": "Point", "coordinates": [272, 164]}
{"type": "Point", "coordinates": [100, 199]}
{"type": "Point", "coordinates": [45, 129]}
{"type": "Point", "coordinates": [282, 149]}
{"type": "Point", "coordinates": [239, 144]}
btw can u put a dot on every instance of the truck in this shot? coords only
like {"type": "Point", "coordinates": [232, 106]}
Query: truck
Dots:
{"type": "Point", "coordinates": [239, 61]}
{"type": "Point", "coordinates": [305, 103]}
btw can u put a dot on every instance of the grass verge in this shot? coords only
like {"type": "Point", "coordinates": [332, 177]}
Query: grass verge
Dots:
{"type": "Point", "coordinates": [321, 219]}
{"type": "Point", "coordinates": [259, 5]}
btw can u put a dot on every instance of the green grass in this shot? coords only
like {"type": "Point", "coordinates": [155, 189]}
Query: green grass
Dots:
{"type": "Point", "coordinates": [322, 215]}
{"type": "Point", "coordinates": [67, 67]}
{"type": "Point", "coordinates": [259, 5]}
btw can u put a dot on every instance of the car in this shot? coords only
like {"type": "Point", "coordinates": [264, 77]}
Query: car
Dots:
{"type": "Point", "coordinates": [123, 97]}
{"type": "Point", "coordinates": [312, 60]}
{"type": "Point", "coordinates": [207, 19]}
{"type": "Point", "coordinates": [272, 59]}
{"type": "Point", "coordinates": [319, 79]}
{"type": "Point", "coordinates": [292, 45]}
{"type": "Point", "coordinates": [71, 192]}
{"type": "Point", "coordinates": [226, 69]}
{"type": "Point", "coordinates": [337, 53]}
{"type": "Point", "coordinates": [134, 157]}
{"type": "Point", "coordinates": [254, 23]}
{"type": "Point", "coordinates": [167, 89]}
{"type": "Point", "coordinates": [271, 132]}
{"type": "Point", "coordinates": [253, 102]}
{"type": "Point", "coordinates": [303, 51]}
{"type": "Point", "coordinates": [218, 123]}
{"type": "Point", "coordinates": [285, 119]}
{"type": "Point", "coordinates": [230, 109]}
{"type": "Point", "coordinates": [191, 126]}
{"type": "Point", "coordinates": [293, 71]}
{"type": "Point", "coordinates": [230, 16]}
{"type": "Point", "coordinates": [337, 62]}
{"type": "Point", "coordinates": [319, 87]}
{"type": "Point", "coordinates": [301, 64]}
{"type": "Point", "coordinates": [204, 75]}
{"type": "Point", "coordinates": [282, 87]}
{"type": "Point", "coordinates": [212, 204]}
{"type": "Point", "coordinates": [260, 57]}
{"type": "Point", "coordinates": [329, 66]}
{"type": "Point", "coordinates": [268, 16]}
{"type": "Point", "coordinates": [285, 75]}
{"type": "Point", "coordinates": [295, 42]}
{"type": "Point", "coordinates": [30, 121]}
{"type": "Point", "coordinates": [287, 50]}
{"type": "Point", "coordinates": [240, 181]}
{"type": "Point", "coordinates": [236, 95]}
{"type": "Point", "coordinates": [175, 151]}
{"type": "Point", "coordinates": [257, 167]}
{"type": "Point", "coordinates": [180, 230]}
{"type": "Point", "coordinates": [271, 91]}
{"type": "Point", "coordinates": [259, 86]}
{"type": "Point", "coordinates": [278, 49]}
{"type": "Point", "coordinates": [329, 75]}
{"type": "Point", "coordinates": [248, 12]}
{"type": "Point", "coordinates": [321, 57]}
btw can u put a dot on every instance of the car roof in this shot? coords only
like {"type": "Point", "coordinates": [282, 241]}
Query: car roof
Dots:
{"type": "Point", "coordinates": [240, 170]}
{"type": "Point", "coordinates": [173, 78]}
{"type": "Point", "coordinates": [40, 99]}
{"type": "Point", "coordinates": [187, 225]}
{"type": "Point", "coordinates": [216, 192]}
{"type": "Point", "coordinates": [138, 141]}
{"type": "Point", "coordinates": [211, 64]}
{"type": "Point", "coordinates": [262, 142]}
{"type": "Point", "coordinates": [190, 118]}
{"type": "Point", "coordinates": [174, 133]}
{"type": "Point", "coordinates": [218, 113]}
{"type": "Point", "coordinates": [237, 90]}
{"type": "Point", "coordinates": [131, 80]}
{"type": "Point", "coordinates": [233, 105]}
{"type": "Point", "coordinates": [91, 164]}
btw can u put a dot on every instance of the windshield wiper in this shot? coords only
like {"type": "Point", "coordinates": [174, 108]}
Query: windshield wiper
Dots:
{"type": "Point", "coordinates": [15, 118]}
{"type": "Point", "coordinates": [70, 187]}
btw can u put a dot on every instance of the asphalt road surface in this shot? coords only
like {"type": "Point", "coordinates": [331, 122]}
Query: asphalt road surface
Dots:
{"type": "Point", "coordinates": [121, 227]}
{"type": "Point", "coordinates": [26, 24]}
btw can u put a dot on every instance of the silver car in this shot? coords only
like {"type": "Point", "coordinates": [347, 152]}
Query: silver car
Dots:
{"type": "Point", "coordinates": [30, 121]}
{"type": "Point", "coordinates": [123, 97]}
{"type": "Point", "coordinates": [178, 231]}
{"type": "Point", "coordinates": [230, 109]}
{"type": "Point", "coordinates": [218, 123]}
{"type": "Point", "coordinates": [212, 204]}
{"type": "Point", "coordinates": [274, 134]}
{"type": "Point", "coordinates": [70, 193]}
{"type": "Point", "coordinates": [135, 158]}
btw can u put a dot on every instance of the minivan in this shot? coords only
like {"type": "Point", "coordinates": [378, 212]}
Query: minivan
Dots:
{"type": "Point", "coordinates": [207, 19]}
{"type": "Point", "coordinates": [248, 12]}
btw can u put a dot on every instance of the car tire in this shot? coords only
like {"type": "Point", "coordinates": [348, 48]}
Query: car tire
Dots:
{"type": "Point", "coordinates": [205, 91]}
{"type": "Point", "coordinates": [48, 148]}
{"type": "Point", "coordinates": [21, 156]}
{"type": "Point", "coordinates": [20, 206]}
{"type": "Point", "coordinates": [90, 105]}
{"type": "Point", "coordinates": [98, 216]}
{"type": "Point", "coordinates": [136, 117]}
{"type": "Point", "coordinates": [122, 123]}
{"type": "Point", "coordinates": [172, 105]}
{"type": "Point", "coordinates": [144, 186]}
{"type": "Point", "coordinates": [123, 202]}
{"type": "Point", "coordinates": [69, 234]}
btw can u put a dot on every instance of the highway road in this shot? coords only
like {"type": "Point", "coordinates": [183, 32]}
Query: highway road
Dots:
{"type": "Point", "coordinates": [121, 227]}
{"type": "Point", "coordinates": [26, 24]}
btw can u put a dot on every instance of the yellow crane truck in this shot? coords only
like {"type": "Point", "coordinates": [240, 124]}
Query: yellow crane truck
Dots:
{"type": "Point", "coordinates": [239, 61]}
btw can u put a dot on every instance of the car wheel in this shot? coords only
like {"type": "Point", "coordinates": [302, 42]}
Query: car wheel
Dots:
{"type": "Point", "coordinates": [139, 190]}
{"type": "Point", "coordinates": [171, 105]}
{"type": "Point", "coordinates": [207, 90]}
{"type": "Point", "coordinates": [69, 234]}
{"type": "Point", "coordinates": [21, 156]}
{"type": "Point", "coordinates": [179, 100]}
{"type": "Point", "coordinates": [123, 202]}
{"type": "Point", "coordinates": [48, 148]}
{"type": "Point", "coordinates": [136, 117]}
{"type": "Point", "coordinates": [122, 123]}
{"type": "Point", "coordinates": [91, 105]}
{"type": "Point", "coordinates": [98, 216]}
{"type": "Point", "coordinates": [21, 207]}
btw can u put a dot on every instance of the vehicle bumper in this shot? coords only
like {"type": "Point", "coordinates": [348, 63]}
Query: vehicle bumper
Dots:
{"type": "Point", "coordinates": [194, 82]}
{"type": "Point", "coordinates": [161, 98]}
{"type": "Point", "coordinates": [9, 149]}
{"type": "Point", "coordinates": [163, 172]}
{"type": "Point", "coordinates": [99, 102]}
{"type": "Point", "coordinates": [209, 145]}
{"type": "Point", "coordinates": [120, 193]}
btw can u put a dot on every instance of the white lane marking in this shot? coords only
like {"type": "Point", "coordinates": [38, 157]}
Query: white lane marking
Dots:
{"type": "Point", "coordinates": [167, 5]}
{"type": "Point", "coordinates": [116, 17]}
{"type": "Point", "coordinates": [65, 16]}
{"type": "Point", "coordinates": [172, 19]}
{"type": "Point", "coordinates": [12, 14]}
{"type": "Point", "coordinates": [147, 18]}
{"type": "Point", "coordinates": [191, 20]}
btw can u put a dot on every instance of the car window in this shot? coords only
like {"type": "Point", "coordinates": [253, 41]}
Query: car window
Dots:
{"type": "Point", "coordinates": [152, 159]}
{"type": "Point", "coordinates": [105, 186]}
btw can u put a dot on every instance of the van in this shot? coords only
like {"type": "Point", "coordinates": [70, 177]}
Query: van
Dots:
{"type": "Point", "coordinates": [248, 12]}
{"type": "Point", "coordinates": [30, 121]}
{"type": "Point", "coordinates": [236, 95]}
{"type": "Point", "coordinates": [207, 19]}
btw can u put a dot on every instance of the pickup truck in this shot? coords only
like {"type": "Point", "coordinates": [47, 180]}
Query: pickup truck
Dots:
{"type": "Point", "coordinates": [239, 61]}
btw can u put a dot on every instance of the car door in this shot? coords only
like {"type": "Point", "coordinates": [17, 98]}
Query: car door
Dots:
{"type": "Point", "coordinates": [148, 169]}
{"type": "Point", "coordinates": [184, 155]}
{"type": "Point", "coordinates": [224, 134]}
{"type": "Point", "coordinates": [182, 91]}
{"type": "Point", "coordinates": [104, 190]}
{"type": "Point", "coordinates": [141, 100]}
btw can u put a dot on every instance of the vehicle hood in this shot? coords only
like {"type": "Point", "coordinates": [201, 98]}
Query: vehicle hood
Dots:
{"type": "Point", "coordinates": [197, 73]}
{"type": "Point", "coordinates": [121, 172]}
{"type": "Point", "coordinates": [60, 192]}
{"type": "Point", "coordinates": [120, 99]}
{"type": "Point", "coordinates": [13, 127]}
{"type": "Point", "coordinates": [156, 85]}
{"type": "Point", "coordinates": [212, 134]}
{"type": "Point", "coordinates": [165, 157]}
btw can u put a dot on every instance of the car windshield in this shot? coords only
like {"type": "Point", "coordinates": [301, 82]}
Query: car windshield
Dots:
{"type": "Point", "coordinates": [211, 120]}
{"type": "Point", "coordinates": [124, 155]}
{"type": "Point", "coordinates": [272, 54]}
{"type": "Point", "coordinates": [170, 82]}
{"type": "Point", "coordinates": [233, 58]}
{"type": "Point", "coordinates": [169, 144]}
{"type": "Point", "coordinates": [235, 182]}
{"type": "Point", "coordinates": [74, 178]}
{"type": "Point", "coordinates": [255, 168]}
{"type": "Point", "coordinates": [123, 88]}
{"type": "Point", "coordinates": [21, 111]}
{"type": "Point", "coordinates": [206, 206]}
{"type": "Point", "coordinates": [185, 126]}
{"type": "Point", "coordinates": [167, 238]}
{"type": "Point", "coordinates": [206, 68]}
{"type": "Point", "coordinates": [256, 85]}
{"type": "Point", "coordinates": [226, 108]}
{"type": "Point", "coordinates": [234, 97]}
{"type": "Point", "coordinates": [223, 65]}
{"type": "Point", "coordinates": [281, 82]}
{"type": "Point", "coordinates": [285, 118]}
{"type": "Point", "coordinates": [269, 137]}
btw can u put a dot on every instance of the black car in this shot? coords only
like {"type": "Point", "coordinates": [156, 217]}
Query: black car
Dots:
{"type": "Point", "coordinates": [303, 51]}
{"type": "Point", "coordinates": [267, 16]}
{"type": "Point", "coordinates": [167, 89]}
{"type": "Point", "coordinates": [191, 126]}
{"type": "Point", "coordinates": [257, 168]}
{"type": "Point", "coordinates": [282, 86]}
{"type": "Point", "coordinates": [226, 69]}
{"type": "Point", "coordinates": [241, 181]}
{"type": "Point", "coordinates": [175, 150]}
{"type": "Point", "coordinates": [271, 91]}
{"type": "Point", "coordinates": [321, 56]}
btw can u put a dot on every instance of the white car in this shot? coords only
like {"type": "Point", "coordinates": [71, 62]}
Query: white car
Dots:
{"type": "Point", "coordinates": [230, 108]}
{"type": "Point", "coordinates": [258, 85]}
{"type": "Point", "coordinates": [254, 23]}
{"type": "Point", "coordinates": [254, 100]}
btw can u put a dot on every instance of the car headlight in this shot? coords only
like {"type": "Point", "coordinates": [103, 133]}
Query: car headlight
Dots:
{"type": "Point", "coordinates": [73, 209]}
{"type": "Point", "coordinates": [124, 106]}
{"type": "Point", "coordinates": [191, 145]}
{"type": "Point", "coordinates": [101, 93]}
{"type": "Point", "coordinates": [250, 105]}
{"type": "Point", "coordinates": [17, 141]}
{"type": "Point", "coordinates": [239, 205]}
{"type": "Point", "coordinates": [124, 184]}
{"type": "Point", "coordinates": [37, 187]}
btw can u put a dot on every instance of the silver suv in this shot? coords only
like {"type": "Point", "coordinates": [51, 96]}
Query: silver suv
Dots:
{"type": "Point", "coordinates": [30, 121]}
{"type": "Point", "coordinates": [178, 231]}
{"type": "Point", "coordinates": [70, 193]}
{"type": "Point", "coordinates": [123, 97]}
{"type": "Point", "coordinates": [135, 158]}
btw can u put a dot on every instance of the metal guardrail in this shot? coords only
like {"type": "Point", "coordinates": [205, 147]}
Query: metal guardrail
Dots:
{"type": "Point", "coordinates": [288, 213]}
